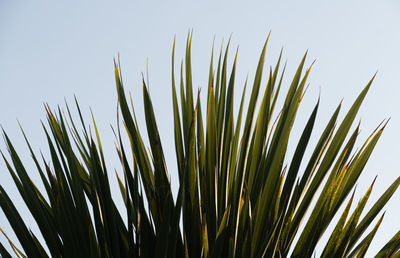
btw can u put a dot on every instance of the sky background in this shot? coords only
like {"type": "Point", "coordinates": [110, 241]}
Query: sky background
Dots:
{"type": "Point", "coordinates": [51, 51]}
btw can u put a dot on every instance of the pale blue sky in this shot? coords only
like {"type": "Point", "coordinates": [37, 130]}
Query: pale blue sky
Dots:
{"type": "Point", "coordinates": [50, 51]}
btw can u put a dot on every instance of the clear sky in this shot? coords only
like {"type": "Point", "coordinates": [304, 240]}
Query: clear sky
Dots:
{"type": "Point", "coordinates": [51, 50]}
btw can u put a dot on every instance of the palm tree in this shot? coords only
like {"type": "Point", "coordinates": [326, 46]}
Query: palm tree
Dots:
{"type": "Point", "coordinates": [237, 197]}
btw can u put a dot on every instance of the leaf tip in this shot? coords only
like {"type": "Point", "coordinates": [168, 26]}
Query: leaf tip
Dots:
{"type": "Point", "coordinates": [373, 182]}
{"type": "Point", "coordinates": [384, 126]}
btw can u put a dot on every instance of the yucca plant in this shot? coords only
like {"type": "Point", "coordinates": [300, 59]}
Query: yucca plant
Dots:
{"type": "Point", "coordinates": [237, 197]}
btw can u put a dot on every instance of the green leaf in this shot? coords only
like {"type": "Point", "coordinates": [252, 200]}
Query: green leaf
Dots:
{"type": "Point", "coordinates": [373, 212]}
{"type": "Point", "coordinates": [391, 247]}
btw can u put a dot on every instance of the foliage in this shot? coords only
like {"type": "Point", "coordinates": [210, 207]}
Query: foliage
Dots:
{"type": "Point", "coordinates": [236, 196]}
